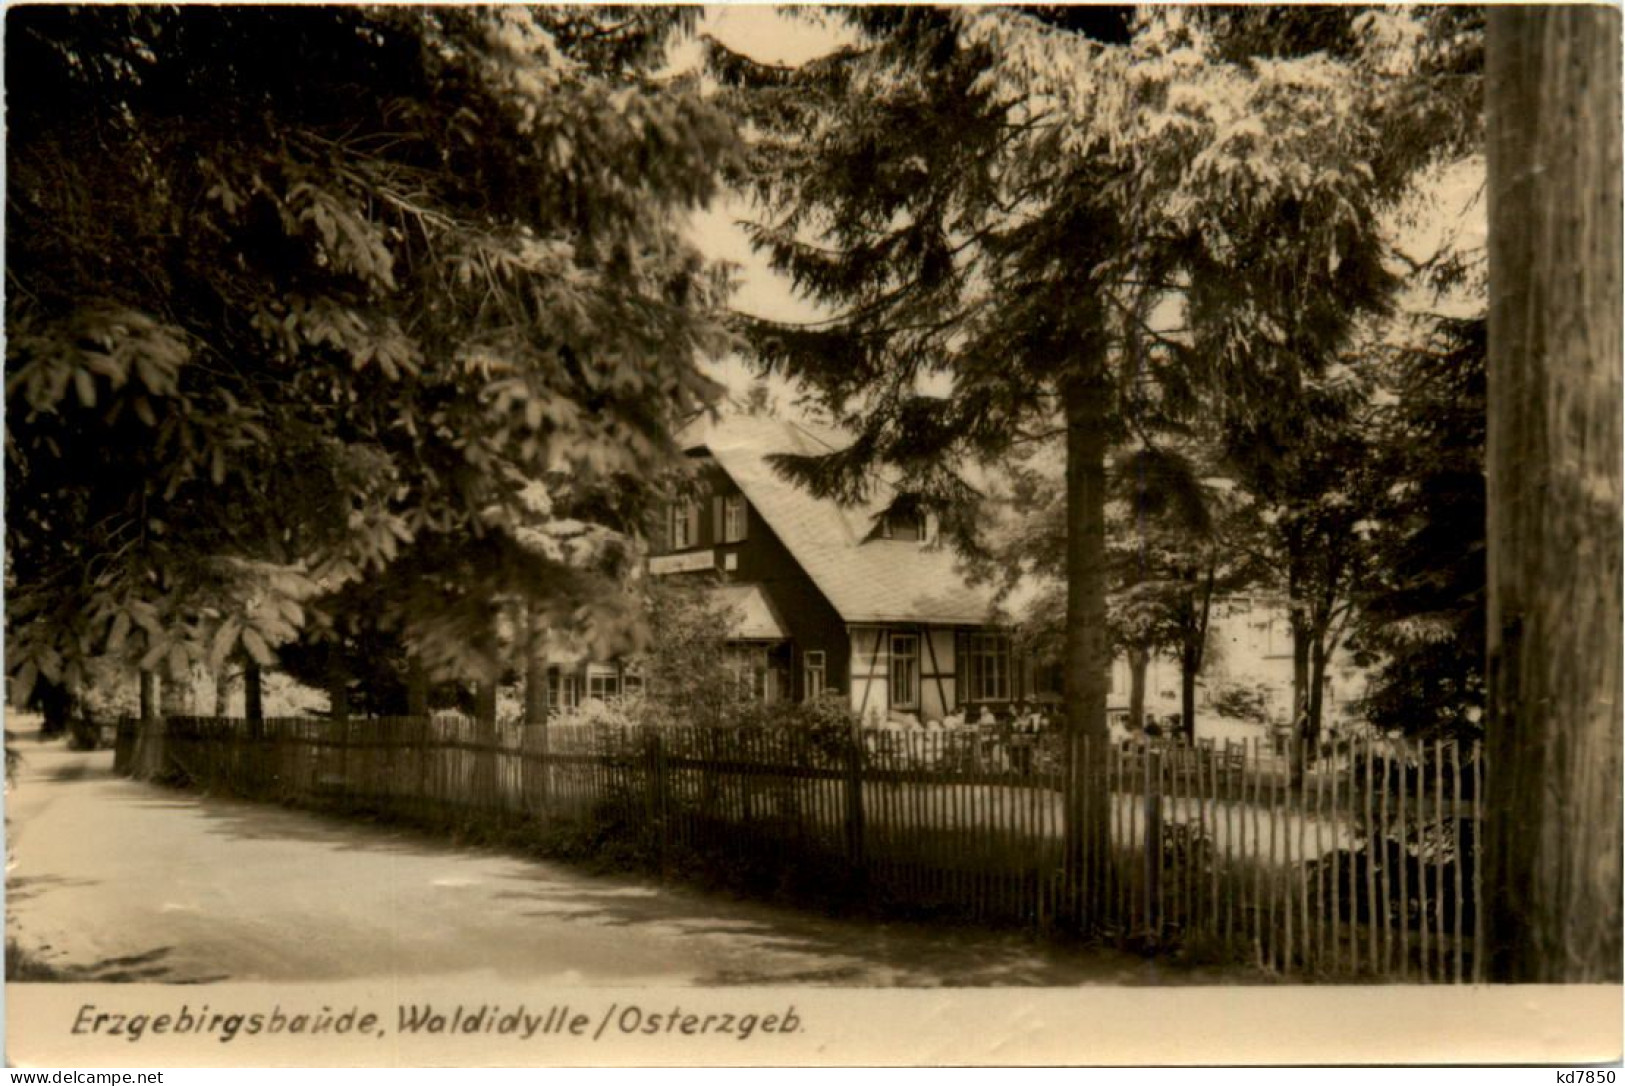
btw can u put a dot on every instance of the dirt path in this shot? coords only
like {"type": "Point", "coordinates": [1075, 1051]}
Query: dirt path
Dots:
{"type": "Point", "coordinates": [111, 879]}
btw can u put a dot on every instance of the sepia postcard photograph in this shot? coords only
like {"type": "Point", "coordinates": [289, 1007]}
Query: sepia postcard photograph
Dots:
{"type": "Point", "coordinates": [885, 535]}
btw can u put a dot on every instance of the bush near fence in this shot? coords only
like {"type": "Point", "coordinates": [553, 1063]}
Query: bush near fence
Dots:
{"type": "Point", "coordinates": [1361, 862]}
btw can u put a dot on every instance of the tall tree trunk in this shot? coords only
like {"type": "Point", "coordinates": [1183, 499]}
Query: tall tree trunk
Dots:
{"type": "Point", "coordinates": [160, 698]}
{"type": "Point", "coordinates": [224, 680]}
{"type": "Point", "coordinates": [149, 696]}
{"type": "Point", "coordinates": [175, 694]}
{"type": "Point", "coordinates": [417, 687]}
{"type": "Point", "coordinates": [1302, 638]}
{"type": "Point", "coordinates": [1318, 657]}
{"type": "Point", "coordinates": [253, 697]}
{"type": "Point", "coordinates": [1187, 697]}
{"type": "Point", "coordinates": [1139, 660]}
{"type": "Point", "coordinates": [56, 706]}
{"type": "Point", "coordinates": [1300, 669]}
{"type": "Point", "coordinates": [338, 685]}
{"type": "Point", "coordinates": [535, 672]}
{"type": "Point", "coordinates": [1203, 621]}
{"type": "Point", "coordinates": [1193, 654]}
{"type": "Point", "coordinates": [1554, 834]}
{"type": "Point", "coordinates": [1087, 655]}
{"type": "Point", "coordinates": [485, 702]}
{"type": "Point", "coordinates": [535, 690]}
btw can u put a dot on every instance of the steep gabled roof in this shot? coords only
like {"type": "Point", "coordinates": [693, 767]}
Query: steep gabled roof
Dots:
{"type": "Point", "coordinates": [865, 579]}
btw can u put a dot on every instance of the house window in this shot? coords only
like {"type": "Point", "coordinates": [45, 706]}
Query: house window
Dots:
{"type": "Point", "coordinates": [760, 671]}
{"type": "Point", "coordinates": [905, 671]}
{"type": "Point", "coordinates": [987, 667]}
{"type": "Point", "coordinates": [733, 518]}
{"type": "Point", "coordinates": [685, 525]}
{"type": "Point", "coordinates": [1277, 638]}
{"type": "Point", "coordinates": [603, 683]}
{"type": "Point", "coordinates": [813, 674]}
{"type": "Point", "coordinates": [632, 683]}
{"type": "Point", "coordinates": [563, 690]}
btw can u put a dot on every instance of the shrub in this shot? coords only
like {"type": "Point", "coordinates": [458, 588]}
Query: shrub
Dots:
{"type": "Point", "coordinates": [1243, 703]}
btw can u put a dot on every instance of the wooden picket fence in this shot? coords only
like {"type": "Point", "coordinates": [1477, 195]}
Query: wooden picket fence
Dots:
{"type": "Point", "coordinates": [1360, 862]}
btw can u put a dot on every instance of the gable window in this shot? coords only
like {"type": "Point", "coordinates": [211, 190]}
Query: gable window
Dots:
{"type": "Point", "coordinates": [907, 526]}
{"type": "Point", "coordinates": [685, 525]}
{"type": "Point", "coordinates": [813, 674]}
{"type": "Point", "coordinates": [905, 671]}
{"type": "Point", "coordinates": [733, 518]}
{"type": "Point", "coordinates": [987, 666]}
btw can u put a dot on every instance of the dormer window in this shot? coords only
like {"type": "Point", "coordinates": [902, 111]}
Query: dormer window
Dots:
{"type": "Point", "coordinates": [906, 526]}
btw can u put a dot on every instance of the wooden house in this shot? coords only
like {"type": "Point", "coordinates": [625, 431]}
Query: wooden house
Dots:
{"type": "Point", "coordinates": [827, 597]}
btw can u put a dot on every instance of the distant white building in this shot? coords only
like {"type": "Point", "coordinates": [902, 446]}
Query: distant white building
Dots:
{"type": "Point", "coordinates": [1249, 646]}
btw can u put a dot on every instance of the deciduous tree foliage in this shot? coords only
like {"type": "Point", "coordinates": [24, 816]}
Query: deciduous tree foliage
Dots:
{"type": "Point", "coordinates": [1175, 546]}
{"type": "Point", "coordinates": [303, 301]}
{"type": "Point", "coordinates": [1309, 471]}
{"type": "Point", "coordinates": [1005, 200]}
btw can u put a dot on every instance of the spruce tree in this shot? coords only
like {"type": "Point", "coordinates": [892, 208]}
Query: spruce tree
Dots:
{"type": "Point", "coordinates": [1010, 202]}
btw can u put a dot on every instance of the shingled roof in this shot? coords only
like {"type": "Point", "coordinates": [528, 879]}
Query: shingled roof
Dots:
{"type": "Point", "coordinates": [865, 579]}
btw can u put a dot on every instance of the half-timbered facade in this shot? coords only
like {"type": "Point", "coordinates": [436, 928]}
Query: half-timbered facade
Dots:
{"type": "Point", "coordinates": [826, 597]}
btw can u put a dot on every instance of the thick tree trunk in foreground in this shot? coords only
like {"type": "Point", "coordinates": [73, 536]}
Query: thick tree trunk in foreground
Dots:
{"type": "Point", "coordinates": [1087, 657]}
{"type": "Point", "coordinates": [1554, 670]}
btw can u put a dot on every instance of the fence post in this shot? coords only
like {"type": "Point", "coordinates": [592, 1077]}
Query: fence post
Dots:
{"type": "Point", "coordinates": [545, 764]}
{"type": "Point", "coordinates": [1153, 842]}
{"type": "Point", "coordinates": [655, 756]}
{"type": "Point", "coordinates": [854, 801]}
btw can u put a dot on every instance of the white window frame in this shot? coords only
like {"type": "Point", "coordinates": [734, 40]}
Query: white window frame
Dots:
{"type": "Point", "coordinates": [600, 680]}
{"type": "Point", "coordinates": [981, 650]}
{"type": "Point", "coordinates": [752, 666]}
{"type": "Point", "coordinates": [734, 518]}
{"type": "Point", "coordinates": [685, 516]}
{"type": "Point", "coordinates": [904, 680]}
{"type": "Point", "coordinates": [814, 674]}
{"type": "Point", "coordinates": [563, 688]}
